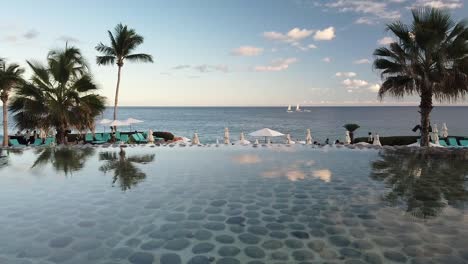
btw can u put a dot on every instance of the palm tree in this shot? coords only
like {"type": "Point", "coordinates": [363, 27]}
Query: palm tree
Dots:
{"type": "Point", "coordinates": [124, 167]}
{"type": "Point", "coordinates": [351, 128]}
{"type": "Point", "coordinates": [429, 58]}
{"type": "Point", "coordinates": [10, 77]}
{"type": "Point", "coordinates": [59, 95]}
{"type": "Point", "coordinates": [124, 41]}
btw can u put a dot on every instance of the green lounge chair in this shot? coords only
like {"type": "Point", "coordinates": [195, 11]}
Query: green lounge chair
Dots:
{"type": "Point", "coordinates": [49, 141]}
{"type": "Point", "coordinates": [89, 138]}
{"type": "Point", "coordinates": [453, 142]}
{"type": "Point", "coordinates": [464, 142]}
{"type": "Point", "coordinates": [142, 138]}
{"type": "Point", "coordinates": [14, 143]}
{"type": "Point", "coordinates": [123, 138]}
{"type": "Point", "coordinates": [117, 135]}
{"type": "Point", "coordinates": [98, 137]}
{"type": "Point", "coordinates": [106, 137]}
{"type": "Point", "coordinates": [136, 138]}
{"type": "Point", "coordinates": [443, 143]}
{"type": "Point", "coordinates": [37, 142]}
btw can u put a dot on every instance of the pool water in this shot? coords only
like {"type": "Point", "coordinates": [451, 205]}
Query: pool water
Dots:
{"type": "Point", "coordinates": [232, 205]}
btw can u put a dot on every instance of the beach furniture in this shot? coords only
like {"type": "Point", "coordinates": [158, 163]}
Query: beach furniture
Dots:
{"type": "Point", "coordinates": [37, 142]}
{"type": "Point", "coordinates": [443, 143]}
{"type": "Point", "coordinates": [106, 137]}
{"type": "Point", "coordinates": [142, 138]}
{"type": "Point", "coordinates": [464, 142]}
{"type": "Point", "coordinates": [138, 138]}
{"type": "Point", "coordinates": [123, 138]}
{"type": "Point", "coordinates": [117, 135]}
{"type": "Point", "coordinates": [49, 141]}
{"type": "Point", "coordinates": [14, 143]}
{"type": "Point", "coordinates": [89, 138]}
{"type": "Point", "coordinates": [452, 142]}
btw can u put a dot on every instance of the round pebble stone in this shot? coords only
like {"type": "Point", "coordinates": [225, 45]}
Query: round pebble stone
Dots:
{"type": "Point", "coordinates": [218, 203]}
{"type": "Point", "coordinates": [372, 258]}
{"type": "Point", "coordinates": [302, 255]}
{"type": "Point", "coordinates": [333, 230]}
{"type": "Point", "coordinates": [235, 220]}
{"type": "Point", "coordinates": [272, 244]}
{"type": "Point", "coordinates": [280, 255]}
{"type": "Point", "coordinates": [293, 243]}
{"type": "Point", "coordinates": [202, 235]}
{"type": "Point", "coordinates": [133, 242]}
{"type": "Point", "coordinates": [269, 219]}
{"type": "Point", "coordinates": [228, 261]}
{"type": "Point", "coordinates": [362, 244]}
{"type": "Point", "coordinates": [254, 252]}
{"type": "Point", "coordinates": [253, 221]}
{"type": "Point", "coordinates": [285, 218]}
{"type": "Point", "coordinates": [60, 242]}
{"type": "Point", "coordinates": [141, 258]}
{"type": "Point", "coordinates": [357, 233]}
{"type": "Point", "coordinates": [175, 217]}
{"type": "Point", "coordinates": [191, 225]}
{"type": "Point", "coordinates": [328, 254]}
{"type": "Point", "coordinates": [316, 245]}
{"type": "Point", "coordinates": [86, 245]}
{"type": "Point", "coordinates": [232, 212]}
{"type": "Point", "coordinates": [199, 260]}
{"type": "Point", "coordinates": [247, 238]}
{"type": "Point", "coordinates": [339, 241]}
{"type": "Point", "coordinates": [252, 214]}
{"type": "Point", "coordinates": [214, 226]}
{"type": "Point", "coordinates": [203, 247]}
{"type": "Point", "coordinates": [350, 253]}
{"type": "Point", "coordinates": [413, 251]}
{"type": "Point", "coordinates": [297, 226]}
{"type": "Point", "coordinates": [279, 235]}
{"type": "Point", "coordinates": [300, 234]}
{"type": "Point", "coordinates": [395, 256]}
{"type": "Point", "coordinates": [228, 251]}
{"type": "Point", "coordinates": [152, 244]}
{"type": "Point", "coordinates": [255, 262]}
{"type": "Point", "coordinates": [177, 244]}
{"type": "Point", "coordinates": [317, 232]}
{"type": "Point", "coordinates": [275, 226]}
{"type": "Point", "coordinates": [237, 229]}
{"type": "Point", "coordinates": [196, 216]}
{"type": "Point", "coordinates": [170, 258]}
{"type": "Point", "coordinates": [354, 261]}
{"type": "Point", "coordinates": [195, 209]}
{"type": "Point", "coordinates": [258, 230]}
{"type": "Point", "coordinates": [216, 218]}
{"type": "Point", "coordinates": [121, 253]}
{"type": "Point", "coordinates": [225, 239]}
{"type": "Point", "coordinates": [213, 210]}
{"type": "Point", "coordinates": [252, 207]}
{"type": "Point", "coordinates": [438, 249]}
{"type": "Point", "coordinates": [386, 242]}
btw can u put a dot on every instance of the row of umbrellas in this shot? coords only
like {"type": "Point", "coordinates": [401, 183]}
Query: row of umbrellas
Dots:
{"type": "Point", "coordinates": [125, 122]}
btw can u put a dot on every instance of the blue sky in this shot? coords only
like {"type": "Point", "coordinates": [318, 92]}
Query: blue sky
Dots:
{"type": "Point", "coordinates": [210, 52]}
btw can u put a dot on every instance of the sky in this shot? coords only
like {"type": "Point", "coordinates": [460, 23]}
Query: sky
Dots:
{"type": "Point", "coordinates": [222, 53]}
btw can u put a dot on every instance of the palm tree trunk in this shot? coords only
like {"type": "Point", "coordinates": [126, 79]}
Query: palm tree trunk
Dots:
{"type": "Point", "coordinates": [117, 94]}
{"type": "Point", "coordinates": [425, 110]}
{"type": "Point", "coordinates": [5, 122]}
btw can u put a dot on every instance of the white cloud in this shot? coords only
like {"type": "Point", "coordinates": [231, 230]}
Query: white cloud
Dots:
{"type": "Point", "coordinates": [326, 59]}
{"type": "Point", "coordinates": [374, 88]}
{"type": "Point", "coordinates": [345, 74]}
{"type": "Point", "coordinates": [247, 51]}
{"type": "Point", "coordinates": [276, 65]}
{"type": "Point", "coordinates": [325, 34]}
{"type": "Point", "coordinates": [293, 35]}
{"type": "Point", "coordinates": [375, 9]}
{"type": "Point", "coordinates": [365, 21]}
{"type": "Point", "coordinates": [181, 67]}
{"type": "Point", "coordinates": [362, 61]}
{"type": "Point", "coordinates": [312, 46]}
{"type": "Point", "coordinates": [354, 83]}
{"type": "Point", "coordinates": [203, 67]}
{"type": "Point", "coordinates": [31, 34]}
{"type": "Point", "coordinates": [385, 41]}
{"type": "Point", "coordinates": [442, 4]}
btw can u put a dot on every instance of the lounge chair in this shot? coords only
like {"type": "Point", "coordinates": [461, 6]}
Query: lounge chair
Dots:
{"type": "Point", "coordinates": [37, 142]}
{"type": "Point", "coordinates": [14, 143]}
{"type": "Point", "coordinates": [453, 142]}
{"type": "Point", "coordinates": [49, 141]}
{"type": "Point", "coordinates": [443, 143]}
{"type": "Point", "coordinates": [464, 142]}
{"type": "Point", "coordinates": [142, 138]}
{"type": "Point", "coordinates": [117, 135]}
{"type": "Point", "coordinates": [89, 138]}
{"type": "Point", "coordinates": [123, 138]}
{"type": "Point", "coordinates": [106, 137]}
{"type": "Point", "coordinates": [99, 139]}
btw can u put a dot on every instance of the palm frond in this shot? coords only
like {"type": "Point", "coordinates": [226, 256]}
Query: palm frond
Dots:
{"type": "Point", "coordinates": [141, 57]}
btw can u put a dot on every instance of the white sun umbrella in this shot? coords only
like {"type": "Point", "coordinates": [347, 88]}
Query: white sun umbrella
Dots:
{"type": "Point", "coordinates": [308, 137]}
{"type": "Point", "coordinates": [347, 138]}
{"type": "Point", "coordinates": [118, 123]}
{"type": "Point", "coordinates": [266, 133]}
{"type": "Point", "coordinates": [226, 136]}
{"type": "Point", "coordinates": [288, 139]}
{"type": "Point", "coordinates": [242, 140]}
{"type": "Point", "coordinates": [444, 130]}
{"type": "Point", "coordinates": [435, 134]}
{"type": "Point", "coordinates": [150, 136]}
{"type": "Point", "coordinates": [377, 140]}
{"type": "Point", "coordinates": [104, 121]}
{"type": "Point", "coordinates": [131, 121]}
{"type": "Point", "coordinates": [195, 140]}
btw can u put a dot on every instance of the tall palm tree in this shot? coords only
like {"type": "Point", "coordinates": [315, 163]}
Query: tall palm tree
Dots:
{"type": "Point", "coordinates": [429, 58]}
{"type": "Point", "coordinates": [59, 95]}
{"type": "Point", "coordinates": [10, 77]}
{"type": "Point", "coordinates": [124, 41]}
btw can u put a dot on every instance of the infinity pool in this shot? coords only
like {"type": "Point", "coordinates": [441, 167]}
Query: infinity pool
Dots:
{"type": "Point", "coordinates": [231, 205]}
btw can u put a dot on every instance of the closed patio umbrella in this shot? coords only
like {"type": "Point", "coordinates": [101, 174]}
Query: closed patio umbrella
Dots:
{"type": "Point", "coordinates": [308, 137]}
{"type": "Point", "coordinates": [242, 140]}
{"type": "Point", "coordinates": [435, 134]}
{"type": "Point", "coordinates": [195, 140]}
{"type": "Point", "coordinates": [266, 133]}
{"type": "Point", "coordinates": [377, 140]}
{"type": "Point", "coordinates": [226, 136]}
{"type": "Point", "coordinates": [288, 139]}
{"type": "Point", "coordinates": [347, 138]}
{"type": "Point", "coordinates": [444, 130]}
{"type": "Point", "coordinates": [150, 136]}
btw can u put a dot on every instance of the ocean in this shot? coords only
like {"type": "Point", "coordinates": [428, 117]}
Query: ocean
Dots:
{"type": "Point", "coordinates": [324, 122]}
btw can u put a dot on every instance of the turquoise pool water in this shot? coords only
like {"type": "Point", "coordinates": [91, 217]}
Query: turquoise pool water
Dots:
{"type": "Point", "coordinates": [232, 205]}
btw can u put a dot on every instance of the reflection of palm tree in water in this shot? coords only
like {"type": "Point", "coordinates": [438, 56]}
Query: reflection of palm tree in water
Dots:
{"type": "Point", "coordinates": [67, 160]}
{"type": "Point", "coordinates": [124, 167]}
{"type": "Point", "coordinates": [424, 182]}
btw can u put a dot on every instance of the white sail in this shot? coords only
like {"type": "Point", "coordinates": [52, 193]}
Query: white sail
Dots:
{"type": "Point", "coordinates": [289, 109]}
{"type": "Point", "coordinates": [297, 108]}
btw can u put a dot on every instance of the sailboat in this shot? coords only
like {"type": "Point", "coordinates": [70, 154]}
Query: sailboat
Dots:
{"type": "Point", "coordinates": [289, 109]}
{"type": "Point", "coordinates": [298, 109]}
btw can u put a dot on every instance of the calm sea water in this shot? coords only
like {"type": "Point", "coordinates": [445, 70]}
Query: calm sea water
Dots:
{"type": "Point", "coordinates": [325, 122]}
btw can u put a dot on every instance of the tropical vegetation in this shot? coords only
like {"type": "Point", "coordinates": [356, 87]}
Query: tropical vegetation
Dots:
{"type": "Point", "coordinates": [60, 95]}
{"type": "Point", "coordinates": [123, 42]}
{"type": "Point", "coordinates": [11, 75]}
{"type": "Point", "coordinates": [429, 58]}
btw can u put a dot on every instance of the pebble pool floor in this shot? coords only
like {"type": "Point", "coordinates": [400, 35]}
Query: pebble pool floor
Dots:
{"type": "Point", "coordinates": [222, 205]}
